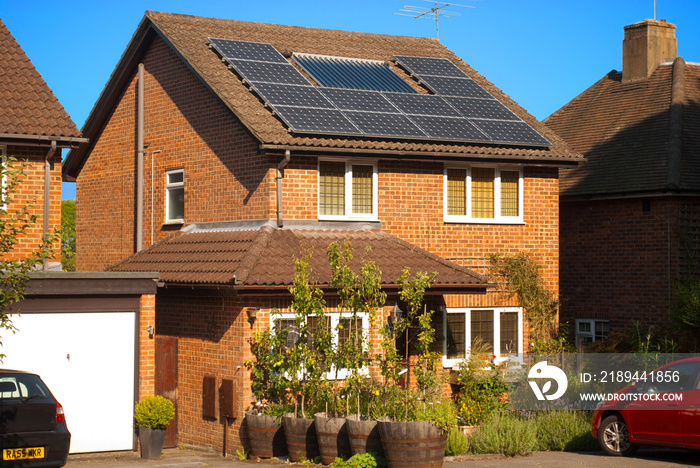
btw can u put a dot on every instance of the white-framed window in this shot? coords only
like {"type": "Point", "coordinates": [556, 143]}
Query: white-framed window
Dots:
{"type": "Point", "coordinates": [481, 194]}
{"type": "Point", "coordinates": [499, 327]}
{"type": "Point", "coordinates": [175, 196]}
{"type": "Point", "coordinates": [591, 330]}
{"type": "Point", "coordinates": [347, 190]}
{"type": "Point", "coordinates": [342, 327]}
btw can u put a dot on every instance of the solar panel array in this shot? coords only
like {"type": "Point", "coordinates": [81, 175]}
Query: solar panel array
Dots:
{"type": "Point", "coordinates": [460, 111]}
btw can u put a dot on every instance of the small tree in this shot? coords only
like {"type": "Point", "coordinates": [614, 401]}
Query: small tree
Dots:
{"type": "Point", "coordinates": [68, 235]}
{"type": "Point", "coordinates": [16, 223]}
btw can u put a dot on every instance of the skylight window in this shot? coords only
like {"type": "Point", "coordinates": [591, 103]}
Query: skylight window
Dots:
{"type": "Point", "coordinates": [339, 72]}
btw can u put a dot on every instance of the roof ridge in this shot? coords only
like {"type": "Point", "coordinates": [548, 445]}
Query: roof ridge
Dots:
{"type": "Point", "coordinates": [252, 255]}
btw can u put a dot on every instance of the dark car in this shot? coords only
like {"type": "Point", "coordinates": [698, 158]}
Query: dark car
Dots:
{"type": "Point", "coordinates": [663, 409]}
{"type": "Point", "coordinates": [33, 429]}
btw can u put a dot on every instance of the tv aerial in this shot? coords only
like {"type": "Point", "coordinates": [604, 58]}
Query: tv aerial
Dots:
{"type": "Point", "coordinates": [436, 12]}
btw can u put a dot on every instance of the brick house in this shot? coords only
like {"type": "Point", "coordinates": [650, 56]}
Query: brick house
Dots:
{"type": "Point", "coordinates": [630, 214]}
{"type": "Point", "coordinates": [34, 128]}
{"type": "Point", "coordinates": [260, 142]}
{"type": "Point", "coordinates": [65, 309]}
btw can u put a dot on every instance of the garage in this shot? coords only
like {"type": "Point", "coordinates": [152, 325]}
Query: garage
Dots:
{"type": "Point", "coordinates": [80, 332]}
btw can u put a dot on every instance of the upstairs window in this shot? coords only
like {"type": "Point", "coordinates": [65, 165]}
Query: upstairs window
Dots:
{"type": "Point", "coordinates": [347, 190]}
{"type": "Point", "coordinates": [483, 195]}
{"type": "Point", "coordinates": [175, 196]}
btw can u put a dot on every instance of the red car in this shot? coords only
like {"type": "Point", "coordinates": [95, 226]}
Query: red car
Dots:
{"type": "Point", "coordinates": [663, 410]}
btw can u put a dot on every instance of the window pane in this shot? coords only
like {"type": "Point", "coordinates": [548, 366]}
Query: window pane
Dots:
{"type": "Point", "coordinates": [482, 192]}
{"type": "Point", "coordinates": [314, 324]}
{"type": "Point", "coordinates": [456, 181]}
{"type": "Point", "coordinates": [509, 193]}
{"type": "Point", "coordinates": [176, 177]}
{"type": "Point", "coordinates": [176, 203]}
{"type": "Point", "coordinates": [332, 188]}
{"type": "Point", "coordinates": [292, 334]}
{"type": "Point", "coordinates": [454, 333]}
{"type": "Point", "coordinates": [482, 326]}
{"type": "Point", "coordinates": [509, 333]}
{"type": "Point", "coordinates": [601, 330]}
{"type": "Point", "coordinates": [350, 331]}
{"type": "Point", "coordinates": [362, 189]}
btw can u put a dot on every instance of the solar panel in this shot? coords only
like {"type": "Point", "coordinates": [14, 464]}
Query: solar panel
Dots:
{"type": "Point", "coordinates": [314, 120]}
{"type": "Point", "coordinates": [258, 51]}
{"type": "Point", "coordinates": [481, 108]}
{"type": "Point", "coordinates": [381, 124]}
{"type": "Point", "coordinates": [421, 104]}
{"type": "Point", "coordinates": [269, 72]}
{"type": "Point", "coordinates": [292, 95]}
{"type": "Point", "coordinates": [341, 72]}
{"type": "Point", "coordinates": [447, 86]}
{"type": "Point", "coordinates": [509, 132]}
{"type": "Point", "coordinates": [358, 100]}
{"type": "Point", "coordinates": [450, 128]}
{"type": "Point", "coordinates": [421, 66]}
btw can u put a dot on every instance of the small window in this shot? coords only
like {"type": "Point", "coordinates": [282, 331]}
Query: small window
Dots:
{"type": "Point", "coordinates": [483, 195]}
{"type": "Point", "coordinates": [499, 328]}
{"type": "Point", "coordinates": [591, 330]}
{"type": "Point", "coordinates": [175, 196]}
{"type": "Point", "coordinates": [347, 190]}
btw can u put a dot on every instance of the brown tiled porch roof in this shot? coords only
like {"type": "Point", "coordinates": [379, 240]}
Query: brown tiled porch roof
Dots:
{"type": "Point", "coordinates": [264, 258]}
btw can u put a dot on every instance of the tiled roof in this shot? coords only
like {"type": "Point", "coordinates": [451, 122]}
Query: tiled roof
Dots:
{"type": "Point", "coordinates": [264, 258]}
{"type": "Point", "coordinates": [28, 105]}
{"type": "Point", "coordinates": [188, 36]}
{"type": "Point", "coordinates": [624, 130]}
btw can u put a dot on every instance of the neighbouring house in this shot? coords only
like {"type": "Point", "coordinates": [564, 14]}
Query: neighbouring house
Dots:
{"type": "Point", "coordinates": [220, 150]}
{"type": "Point", "coordinates": [630, 215]}
{"type": "Point", "coordinates": [79, 331]}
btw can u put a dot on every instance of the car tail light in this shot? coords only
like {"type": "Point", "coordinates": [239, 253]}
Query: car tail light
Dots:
{"type": "Point", "coordinates": [60, 415]}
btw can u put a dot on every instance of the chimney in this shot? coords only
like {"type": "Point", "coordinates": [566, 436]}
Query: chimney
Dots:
{"type": "Point", "coordinates": [645, 47]}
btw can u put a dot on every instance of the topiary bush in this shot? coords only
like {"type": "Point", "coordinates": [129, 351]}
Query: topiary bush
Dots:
{"type": "Point", "coordinates": [154, 411]}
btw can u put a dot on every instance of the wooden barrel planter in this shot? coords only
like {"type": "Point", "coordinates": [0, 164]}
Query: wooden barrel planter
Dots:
{"type": "Point", "coordinates": [364, 435]}
{"type": "Point", "coordinates": [414, 444]}
{"type": "Point", "coordinates": [332, 435]}
{"type": "Point", "coordinates": [266, 436]}
{"type": "Point", "coordinates": [300, 434]}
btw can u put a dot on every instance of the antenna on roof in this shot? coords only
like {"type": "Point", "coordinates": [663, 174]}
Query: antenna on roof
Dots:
{"type": "Point", "coordinates": [434, 12]}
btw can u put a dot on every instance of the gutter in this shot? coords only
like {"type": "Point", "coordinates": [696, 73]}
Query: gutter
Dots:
{"type": "Point", "coordinates": [278, 183]}
{"type": "Point", "coordinates": [47, 195]}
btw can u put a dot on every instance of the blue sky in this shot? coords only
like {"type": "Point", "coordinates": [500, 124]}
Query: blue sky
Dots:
{"type": "Point", "coordinates": [543, 53]}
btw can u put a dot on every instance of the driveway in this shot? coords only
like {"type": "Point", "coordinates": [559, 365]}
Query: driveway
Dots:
{"type": "Point", "coordinates": [194, 458]}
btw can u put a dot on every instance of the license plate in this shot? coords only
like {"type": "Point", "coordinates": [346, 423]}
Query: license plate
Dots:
{"type": "Point", "coordinates": [29, 453]}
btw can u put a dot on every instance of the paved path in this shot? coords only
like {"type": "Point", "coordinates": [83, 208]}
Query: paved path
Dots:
{"type": "Point", "coordinates": [192, 458]}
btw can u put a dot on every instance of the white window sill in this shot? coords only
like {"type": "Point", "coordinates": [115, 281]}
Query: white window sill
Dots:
{"type": "Point", "coordinates": [463, 220]}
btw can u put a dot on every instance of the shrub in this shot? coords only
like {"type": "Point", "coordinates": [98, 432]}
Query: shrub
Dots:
{"type": "Point", "coordinates": [154, 411]}
{"type": "Point", "coordinates": [568, 431]}
{"type": "Point", "coordinates": [360, 460]}
{"type": "Point", "coordinates": [457, 443]}
{"type": "Point", "coordinates": [505, 433]}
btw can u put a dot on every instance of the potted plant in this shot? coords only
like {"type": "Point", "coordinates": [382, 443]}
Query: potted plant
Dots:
{"type": "Point", "coordinates": [153, 414]}
{"type": "Point", "coordinates": [263, 418]}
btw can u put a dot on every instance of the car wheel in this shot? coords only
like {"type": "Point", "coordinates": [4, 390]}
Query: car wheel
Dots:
{"type": "Point", "coordinates": [613, 437]}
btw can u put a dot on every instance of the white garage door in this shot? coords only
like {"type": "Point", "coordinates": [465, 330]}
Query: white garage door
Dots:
{"type": "Point", "coordinates": [87, 360]}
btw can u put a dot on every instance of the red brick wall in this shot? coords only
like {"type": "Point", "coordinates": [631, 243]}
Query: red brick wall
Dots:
{"type": "Point", "coordinates": [185, 126]}
{"type": "Point", "coordinates": [31, 192]}
{"type": "Point", "coordinates": [619, 261]}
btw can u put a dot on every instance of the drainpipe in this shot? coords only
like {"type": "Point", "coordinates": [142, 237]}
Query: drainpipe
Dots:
{"type": "Point", "coordinates": [278, 180]}
{"type": "Point", "coordinates": [47, 195]}
{"type": "Point", "coordinates": [139, 163]}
